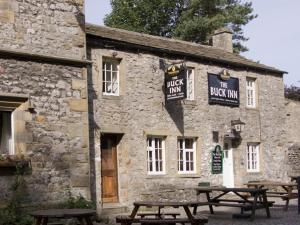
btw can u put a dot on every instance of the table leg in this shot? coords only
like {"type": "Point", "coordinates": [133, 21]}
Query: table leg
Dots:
{"type": "Point", "coordinates": [38, 221]}
{"type": "Point", "coordinates": [134, 211]}
{"type": "Point", "coordinates": [45, 221]}
{"type": "Point", "coordinates": [210, 206]}
{"type": "Point", "coordinates": [189, 214]}
{"type": "Point", "coordinates": [254, 207]}
{"type": "Point", "coordinates": [298, 182]}
{"type": "Point", "coordinates": [88, 220]}
{"type": "Point", "coordinates": [195, 209]}
{"type": "Point", "coordinates": [265, 202]}
{"type": "Point", "coordinates": [81, 221]}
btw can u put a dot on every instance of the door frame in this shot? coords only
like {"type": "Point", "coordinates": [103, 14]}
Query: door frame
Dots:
{"type": "Point", "coordinates": [230, 148]}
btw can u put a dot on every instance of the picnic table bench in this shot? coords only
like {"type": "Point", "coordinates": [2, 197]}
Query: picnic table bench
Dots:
{"type": "Point", "coordinates": [242, 201]}
{"type": "Point", "coordinates": [160, 217]}
{"type": "Point", "coordinates": [82, 215]}
{"type": "Point", "coordinates": [285, 194]}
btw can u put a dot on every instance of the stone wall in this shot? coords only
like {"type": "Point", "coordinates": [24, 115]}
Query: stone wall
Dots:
{"type": "Point", "coordinates": [140, 110]}
{"type": "Point", "coordinates": [293, 135]}
{"type": "Point", "coordinates": [54, 27]}
{"type": "Point", "coordinates": [293, 121]}
{"type": "Point", "coordinates": [57, 134]}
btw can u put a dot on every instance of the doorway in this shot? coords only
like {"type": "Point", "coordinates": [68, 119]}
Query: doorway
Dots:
{"type": "Point", "coordinates": [109, 168]}
{"type": "Point", "coordinates": [228, 174]}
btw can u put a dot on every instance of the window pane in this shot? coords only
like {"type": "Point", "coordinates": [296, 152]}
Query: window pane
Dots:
{"type": "Point", "coordinates": [189, 143]}
{"type": "Point", "coordinates": [115, 87]}
{"type": "Point", "coordinates": [108, 76]}
{"type": "Point", "coordinates": [180, 155]}
{"type": "Point", "coordinates": [115, 66]}
{"type": "Point", "coordinates": [181, 166]}
{"type": "Point", "coordinates": [108, 87]}
{"type": "Point", "coordinates": [187, 166]}
{"type": "Point", "coordinates": [108, 66]}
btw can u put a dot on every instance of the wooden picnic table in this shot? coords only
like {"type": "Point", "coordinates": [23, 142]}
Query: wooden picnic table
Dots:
{"type": "Point", "coordinates": [241, 199]}
{"type": "Point", "coordinates": [82, 215]}
{"type": "Point", "coordinates": [161, 217]}
{"type": "Point", "coordinates": [286, 192]}
{"type": "Point", "coordinates": [297, 179]}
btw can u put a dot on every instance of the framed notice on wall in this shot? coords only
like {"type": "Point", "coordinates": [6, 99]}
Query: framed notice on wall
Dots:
{"type": "Point", "coordinates": [223, 91]}
{"type": "Point", "coordinates": [217, 160]}
{"type": "Point", "coordinates": [175, 83]}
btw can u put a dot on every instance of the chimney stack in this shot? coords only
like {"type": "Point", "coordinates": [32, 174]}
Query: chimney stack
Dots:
{"type": "Point", "coordinates": [222, 39]}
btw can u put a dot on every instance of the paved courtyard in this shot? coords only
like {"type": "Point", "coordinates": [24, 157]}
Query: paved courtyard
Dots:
{"type": "Point", "coordinates": [223, 216]}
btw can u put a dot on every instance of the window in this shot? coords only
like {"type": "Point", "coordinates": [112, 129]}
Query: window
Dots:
{"type": "Point", "coordinates": [250, 91]}
{"type": "Point", "coordinates": [110, 77]}
{"type": "Point", "coordinates": [253, 158]}
{"type": "Point", "coordinates": [156, 155]}
{"type": "Point", "coordinates": [190, 84]}
{"type": "Point", "coordinates": [6, 145]}
{"type": "Point", "coordinates": [12, 124]}
{"type": "Point", "coordinates": [186, 155]}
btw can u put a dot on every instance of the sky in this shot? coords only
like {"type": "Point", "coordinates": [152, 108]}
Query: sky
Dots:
{"type": "Point", "coordinates": [274, 34]}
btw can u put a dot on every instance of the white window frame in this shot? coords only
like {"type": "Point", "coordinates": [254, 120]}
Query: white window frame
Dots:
{"type": "Point", "coordinates": [104, 76]}
{"type": "Point", "coordinates": [252, 157]}
{"type": "Point", "coordinates": [184, 160]}
{"type": "Point", "coordinates": [157, 168]}
{"type": "Point", "coordinates": [251, 92]}
{"type": "Point", "coordinates": [11, 144]}
{"type": "Point", "coordinates": [190, 84]}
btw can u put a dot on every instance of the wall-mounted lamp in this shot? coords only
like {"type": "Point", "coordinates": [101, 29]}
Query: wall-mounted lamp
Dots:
{"type": "Point", "coordinates": [237, 125]}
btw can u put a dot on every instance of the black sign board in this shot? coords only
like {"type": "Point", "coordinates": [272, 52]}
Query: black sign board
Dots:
{"type": "Point", "coordinates": [223, 92]}
{"type": "Point", "coordinates": [175, 83]}
{"type": "Point", "coordinates": [217, 160]}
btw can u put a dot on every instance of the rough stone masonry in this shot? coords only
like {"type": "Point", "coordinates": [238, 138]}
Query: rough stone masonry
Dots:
{"type": "Point", "coordinates": [35, 36]}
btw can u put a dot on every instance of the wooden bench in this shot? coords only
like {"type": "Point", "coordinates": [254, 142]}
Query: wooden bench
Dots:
{"type": "Point", "coordinates": [172, 214]}
{"type": "Point", "coordinates": [245, 206]}
{"type": "Point", "coordinates": [127, 220]}
{"type": "Point", "coordinates": [285, 194]}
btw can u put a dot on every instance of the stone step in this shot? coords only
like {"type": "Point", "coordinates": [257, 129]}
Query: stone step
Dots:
{"type": "Point", "coordinates": [113, 208]}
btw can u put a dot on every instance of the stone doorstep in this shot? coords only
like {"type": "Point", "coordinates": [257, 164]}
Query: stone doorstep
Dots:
{"type": "Point", "coordinates": [113, 208]}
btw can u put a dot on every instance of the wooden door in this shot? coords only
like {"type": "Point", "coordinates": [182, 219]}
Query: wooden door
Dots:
{"type": "Point", "coordinates": [109, 168]}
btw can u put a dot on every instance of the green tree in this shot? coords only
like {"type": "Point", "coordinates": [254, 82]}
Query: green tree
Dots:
{"type": "Point", "coordinates": [190, 20]}
{"type": "Point", "coordinates": [292, 92]}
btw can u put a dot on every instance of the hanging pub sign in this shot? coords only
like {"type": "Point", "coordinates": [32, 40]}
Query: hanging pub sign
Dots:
{"type": "Point", "coordinates": [175, 83]}
{"type": "Point", "coordinates": [223, 89]}
{"type": "Point", "coordinates": [217, 160]}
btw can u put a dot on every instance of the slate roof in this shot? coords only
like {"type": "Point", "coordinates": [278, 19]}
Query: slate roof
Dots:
{"type": "Point", "coordinates": [176, 46]}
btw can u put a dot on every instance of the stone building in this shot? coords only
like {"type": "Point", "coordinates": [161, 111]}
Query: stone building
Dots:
{"type": "Point", "coordinates": [43, 98]}
{"type": "Point", "coordinates": [103, 128]}
{"type": "Point", "coordinates": [293, 135]}
{"type": "Point", "coordinates": [146, 147]}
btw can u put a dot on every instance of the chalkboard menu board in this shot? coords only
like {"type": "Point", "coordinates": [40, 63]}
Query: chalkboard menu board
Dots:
{"type": "Point", "coordinates": [217, 160]}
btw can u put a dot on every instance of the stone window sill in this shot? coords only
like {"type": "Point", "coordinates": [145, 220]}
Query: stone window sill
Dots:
{"type": "Point", "coordinates": [13, 161]}
{"type": "Point", "coordinates": [112, 97]}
